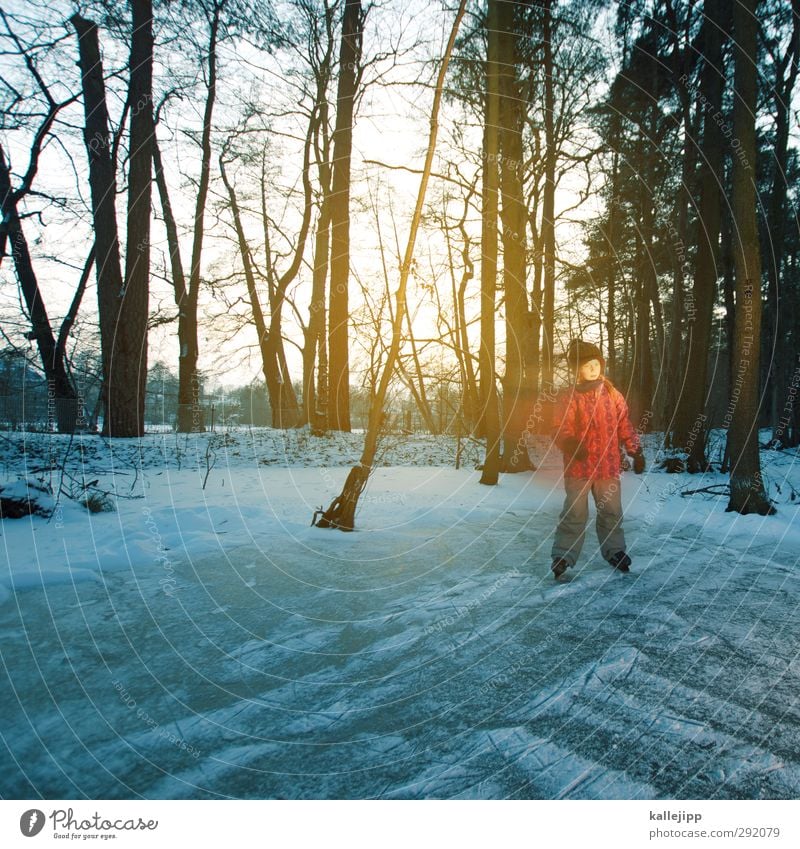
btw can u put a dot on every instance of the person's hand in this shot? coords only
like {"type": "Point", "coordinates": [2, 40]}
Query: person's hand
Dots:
{"type": "Point", "coordinates": [638, 462]}
{"type": "Point", "coordinates": [574, 449]}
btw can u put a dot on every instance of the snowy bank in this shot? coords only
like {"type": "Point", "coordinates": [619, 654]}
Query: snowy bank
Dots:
{"type": "Point", "coordinates": [203, 640]}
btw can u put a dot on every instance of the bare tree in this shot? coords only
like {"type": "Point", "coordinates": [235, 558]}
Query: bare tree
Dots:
{"type": "Point", "coordinates": [491, 153]}
{"type": "Point", "coordinates": [122, 304]}
{"type": "Point", "coordinates": [129, 354]}
{"type": "Point", "coordinates": [338, 314]}
{"type": "Point", "coordinates": [52, 353]}
{"type": "Point", "coordinates": [190, 414]}
{"type": "Point", "coordinates": [63, 399]}
{"type": "Point", "coordinates": [315, 347]}
{"type": "Point", "coordinates": [548, 234]}
{"type": "Point", "coordinates": [341, 512]}
{"type": "Point", "coordinates": [783, 359]}
{"type": "Point", "coordinates": [747, 486]}
{"type": "Point", "coordinates": [470, 396]}
{"type": "Point", "coordinates": [517, 394]}
{"type": "Point", "coordinates": [690, 420]}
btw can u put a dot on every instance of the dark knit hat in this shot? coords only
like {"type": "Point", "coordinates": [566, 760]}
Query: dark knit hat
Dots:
{"type": "Point", "coordinates": [580, 352]}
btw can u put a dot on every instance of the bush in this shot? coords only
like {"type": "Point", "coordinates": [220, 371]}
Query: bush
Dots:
{"type": "Point", "coordinates": [98, 502]}
{"type": "Point", "coordinates": [25, 498]}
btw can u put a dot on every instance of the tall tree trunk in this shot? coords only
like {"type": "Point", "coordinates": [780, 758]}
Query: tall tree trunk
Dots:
{"type": "Point", "coordinates": [103, 191]}
{"type": "Point", "coordinates": [534, 363]}
{"type": "Point", "coordinates": [470, 395]}
{"type": "Point", "coordinates": [286, 413]}
{"type": "Point", "coordinates": [673, 387]}
{"type": "Point", "coordinates": [341, 512]}
{"type": "Point", "coordinates": [179, 289]}
{"type": "Point", "coordinates": [517, 394]}
{"type": "Point", "coordinates": [747, 487]}
{"type": "Point", "coordinates": [491, 151]}
{"type": "Point", "coordinates": [778, 352]}
{"type": "Point", "coordinates": [269, 365]}
{"type": "Point", "coordinates": [680, 66]}
{"type": "Point", "coordinates": [126, 395]}
{"type": "Point", "coordinates": [315, 379]}
{"type": "Point", "coordinates": [548, 202]}
{"type": "Point", "coordinates": [315, 384]}
{"type": "Point", "coordinates": [542, 395]}
{"type": "Point", "coordinates": [190, 412]}
{"type": "Point", "coordinates": [62, 399]}
{"type": "Point", "coordinates": [643, 358]}
{"type": "Point", "coordinates": [536, 262]}
{"type": "Point", "coordinates": [338, 313]}
{"type": "Point", "coordinates": [314, 404]}
{"type": "Point", "coordinates": [727, 290]}
{"type": "Point", "coordinates": [611, 293]}
{"type": "Point", "coordinates": [690, 421]}
{"type": "Point", "coordinates": [170, 225]}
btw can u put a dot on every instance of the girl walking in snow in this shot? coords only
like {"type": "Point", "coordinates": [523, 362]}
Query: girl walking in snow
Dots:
{"type": "Point", "coordinates": [590, 424]}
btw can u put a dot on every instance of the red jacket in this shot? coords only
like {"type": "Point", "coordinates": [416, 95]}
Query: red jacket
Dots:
{"type": "Point", "coordinates": [597, 416]}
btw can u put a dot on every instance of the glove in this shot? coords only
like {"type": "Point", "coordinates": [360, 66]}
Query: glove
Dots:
{"type": "Point", "coordinates": [574, 449]}
{"type": "Point", "coordinates": [638, 462]}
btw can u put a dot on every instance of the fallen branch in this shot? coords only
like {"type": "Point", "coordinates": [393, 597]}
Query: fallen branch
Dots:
{"type": "Point", "coordinates": [709, 490]}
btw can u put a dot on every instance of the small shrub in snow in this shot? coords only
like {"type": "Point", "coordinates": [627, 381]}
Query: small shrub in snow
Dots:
{"type": "Point", "coordinates": [98, 502]}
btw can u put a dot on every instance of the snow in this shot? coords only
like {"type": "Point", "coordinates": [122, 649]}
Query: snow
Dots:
{"type": "Point", "coordinates": [202, 640]}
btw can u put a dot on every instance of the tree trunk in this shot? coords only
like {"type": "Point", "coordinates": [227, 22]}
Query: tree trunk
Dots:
{"type": "Point", "coordinates": [643, 362]}
{"type": "Point", "coordinates": [470, 396]}
{"type": "Point", "coordinates": [548, 233]}
{"type": "Point", "coordinates": [611, 235]}
{"type": "Point", "coordinates": [542, 395]}
{"type": "Point", "coordinates": [673, 387]}
{"type": "Point", "coordinates": [517, 394]}
{"type": "Point", "coordinates": [315, 384]}
{"type": "Point", "coordinates": [269, 363]}
{"type": "Point", "coordinates": [776, 328]}
{"type": "Point", "coordinates": [747, 487]}
{"type": "Point", "coordinates": [103, 190]}
{"type": "Point", "coordinates": [185, 411]}
{"type": "Point", "coordinates": [682, 59]}
{"type": "Point", "coordinates": [314, 404]}
{"type": "Point", "coordinates": [338, 313]}
{"type": "Point", "coordinates": [690, 421]}
{"type": "Point", "coordinates": [491, 151]}
{"type": "Point", "coordinates": [727, 288]}
{"type": "Point", "coordinates": [191, 417]}
{"type": "Point", "coordinates": [315, 379]}
{"type": "Point", "coordinates": [62, 399]}
{"type": "Point", "coordinates": [341, 512]}
{"type": "Point", "coordinates": [126, 390]}
{"type": "Point", "coordinates": [287, 412]}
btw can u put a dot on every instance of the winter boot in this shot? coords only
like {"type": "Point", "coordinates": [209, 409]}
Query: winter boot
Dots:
{"type": "Point", "coordinates": [620, 561]}
{"type": "Point", "coordinates": [559, 567]}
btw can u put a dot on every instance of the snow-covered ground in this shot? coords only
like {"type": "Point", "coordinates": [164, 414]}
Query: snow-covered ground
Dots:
{"type": "Point", "coordinates": [201, 639]}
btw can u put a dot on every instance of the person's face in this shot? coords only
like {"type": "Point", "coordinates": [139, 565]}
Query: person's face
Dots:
{"type": "Point", "coordinates": [590, 370]}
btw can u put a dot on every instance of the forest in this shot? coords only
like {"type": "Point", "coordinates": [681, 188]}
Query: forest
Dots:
{"type": "Point", "coordinates": [235, 180]}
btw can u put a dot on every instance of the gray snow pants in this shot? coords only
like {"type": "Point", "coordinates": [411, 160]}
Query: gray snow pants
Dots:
{"type": "Point", "coordinates": [571, 529]}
